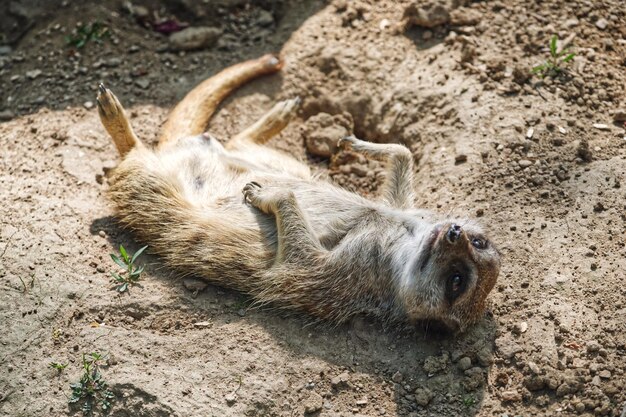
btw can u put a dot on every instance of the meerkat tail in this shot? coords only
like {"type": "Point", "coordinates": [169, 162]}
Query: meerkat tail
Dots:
{"type": "Point", "coordinates": [114, 120]}
{"type": "Point", "coordinates": [192, 114]}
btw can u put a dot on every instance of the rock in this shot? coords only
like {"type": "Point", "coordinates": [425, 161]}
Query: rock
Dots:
{"type": "Point", "coordinates": [33, 74]}
{"type": "Point", "coordinates": [602, 23]}
{"type": "Point", "coordinates": [195, 38]}
{"type": "Point", "coordinates": [194, 285]}
{"type": "Point", "coordinates": [428, 15]}
{"type": "Point", "coordinates": [511, 396]}
{"type": "Point", "coordinates": [397, 377]}
{"type": "Point", "coordinates": [434, 364]}
{"type": "Point", "coordinates": [265, 19]}
{"type": "Point", "coordinates": [474, 378]}
{"type": "Point", "coordinates": [583, 151]}
{"type": "Point", "coordinates": [569, 386]}
{"type": "Point", "coordinates": [340, 381]}
{"type": "Point", "coordinates": [593, 346]}
{"type": "Point", "coordinates": [362, 402]}
{"type": "Point", "coordinates": [599, 207]}
{"type": "Point", "coordinates": [534, 368]}
{"type": "Point", "coordinates": [6, 115]}
{"type": "Point", "coordinates": [605, 374]}
{"type": "Point", "coordinates": [88, 105]}
{"type": "Point", "coordinates": [464, 363]}
{"type": "Point", "coordinates": [619, 115]}
{"type": "Point", "coordinates": [322, 132]}
{"type": "Point", "coordinates": [524, 163]}
{"type": "Point", "coordinates": [521, 75]}
{"type": "Point", "coordinates": [579, 407]}
{"type": "Point", "coordinates": [313, 403]}
{"type": "Point", "coordinates": [529, 133]}
{"type": "Point", "coordinates": [535, 383]}
{"type": "Point", "coordinates": [423, 396]}
{"type": "Point", "coordinates": [468, 53]}
{"type": "Point", "coordinates": [142, 83]}
{"type": "Point", "coordinates": [113, 62]}
{"type": "Point", "coordinates": [485, 356]}
{"type": "Point", "coordinates": [464, 16]}
{"type": "Point", "coordinates": [507, 347]}
{"type": "Point", "coordinates": [460, 158]}
{"type": "Point", "coordinates": [228, 42]}
{"type": "Point", "coordinates": [230, 398]}
{"type": "Point", "coordinates": [5, 49]}
{"type": "Point", "coordinates": [601, 126]}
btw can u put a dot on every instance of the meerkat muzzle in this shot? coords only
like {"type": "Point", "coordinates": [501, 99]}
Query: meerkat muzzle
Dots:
{"type": "Point", "coordinates": [454, 233]}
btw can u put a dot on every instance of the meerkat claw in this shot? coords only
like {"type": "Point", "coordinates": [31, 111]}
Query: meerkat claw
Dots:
{"type": "Point", "coordinates": [249, 192]}
{"type": "Point", "coordinates": [346, 142]}
{"type": "Point", "coordinates": [108, 106]}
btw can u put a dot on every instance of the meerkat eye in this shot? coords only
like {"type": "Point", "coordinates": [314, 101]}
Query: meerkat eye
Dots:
{"type": "Point", "coordinates": [479, 243]}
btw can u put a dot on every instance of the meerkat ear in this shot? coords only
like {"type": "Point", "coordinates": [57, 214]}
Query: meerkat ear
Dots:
{"type": "Point", "coordinates": [114, 120]}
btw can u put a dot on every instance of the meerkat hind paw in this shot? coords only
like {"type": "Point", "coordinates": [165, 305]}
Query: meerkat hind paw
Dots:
{"type": "Point", "coordinates": [108, 105]}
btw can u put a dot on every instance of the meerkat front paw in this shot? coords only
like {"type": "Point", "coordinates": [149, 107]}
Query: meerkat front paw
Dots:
{"type": "Point", "coordinates": [265, 198]}
{"type": "Point", "coordinates": [252, 195]}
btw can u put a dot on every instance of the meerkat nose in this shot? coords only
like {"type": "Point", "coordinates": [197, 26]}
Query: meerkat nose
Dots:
{"type": "Point", "coordinates": [454, 233]}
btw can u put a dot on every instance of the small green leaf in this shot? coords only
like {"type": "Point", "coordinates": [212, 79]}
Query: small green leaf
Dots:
{"type": "Point", "coordinates": [117, 277]}
{"type": "Point", "coordinates": [123, 287]}
{"type": "Point", "coordinates": [539, 68]}
{"type": "Point", "coordinates": [136, 255]}
{"type": "Point", "coordinates": [124, 254]}
{"type": "Point", "coordinates": [117, 260]}
{"type": "Point", "coordinates": [569, 57]}
{"type": "Point", "coordinates": [137, 272]}
{"type": "Point", "coordinates": [553, 45]}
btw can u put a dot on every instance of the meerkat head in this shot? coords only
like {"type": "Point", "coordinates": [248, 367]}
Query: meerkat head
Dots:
{"type": "Point", "coordinates": [456, 268]}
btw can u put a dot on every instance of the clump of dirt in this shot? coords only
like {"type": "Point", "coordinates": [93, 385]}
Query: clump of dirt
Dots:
{"type": "Point", "coordinates": [541, 161]}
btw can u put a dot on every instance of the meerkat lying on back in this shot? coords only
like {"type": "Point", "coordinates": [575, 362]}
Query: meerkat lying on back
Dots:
{"type": "Point", "coordinates": [248, 217]}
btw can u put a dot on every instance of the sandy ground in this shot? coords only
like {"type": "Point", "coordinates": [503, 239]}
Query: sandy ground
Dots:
{"type": "Point", "coordinates": [540, 162]}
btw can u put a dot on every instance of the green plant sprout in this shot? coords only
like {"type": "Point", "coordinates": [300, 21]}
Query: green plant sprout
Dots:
{"type": "Point", "coordinates": [95, 31]}
{"type": "Point", "coordinates": [58, 366]}
{"type": "Point", "coordinates": [91, 388]}
{"type": "Point", "coordinates": [132, 272]}
{"type": "Point", "coordinates": [553, 65]}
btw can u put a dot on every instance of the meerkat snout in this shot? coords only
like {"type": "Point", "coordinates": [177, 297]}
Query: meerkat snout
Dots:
{"type": "Point", "coordinates": [454, 233]}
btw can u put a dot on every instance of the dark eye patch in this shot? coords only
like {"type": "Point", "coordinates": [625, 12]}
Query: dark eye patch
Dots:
{"type": "Point", "coordinates": [457, 277]}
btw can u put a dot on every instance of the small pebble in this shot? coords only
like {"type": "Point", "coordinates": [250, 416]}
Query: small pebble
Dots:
{"type": "Point", "coordinates": [512, 396]}
{"type": "Point", "coordinates": [88, 105]}
{"type": "Point", "coordinates": [397, 377]}
{"type": "Point", "coordinates": [465, 363]}
{"type": "Point", "coordinates": [602, 23]}
{"type": "Point", "coordinates": [230, 398]}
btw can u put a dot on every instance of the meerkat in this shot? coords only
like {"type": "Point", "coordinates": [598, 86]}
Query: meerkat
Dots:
{"type": "Point", "coordinates": [251, 218]}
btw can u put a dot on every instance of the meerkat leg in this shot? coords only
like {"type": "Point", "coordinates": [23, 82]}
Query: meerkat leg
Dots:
{"type": "Point", "coordinates": [398, 187]}
{"type": "Point", "coordinates": [268, 126]}
{"type": "Point", "coordinates": [296, 240]}
{"type": "Point", "coordinates": [115, 121]}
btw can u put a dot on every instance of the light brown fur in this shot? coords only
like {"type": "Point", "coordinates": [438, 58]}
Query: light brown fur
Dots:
{"type": "Point", "coordinates": [291, 239]}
